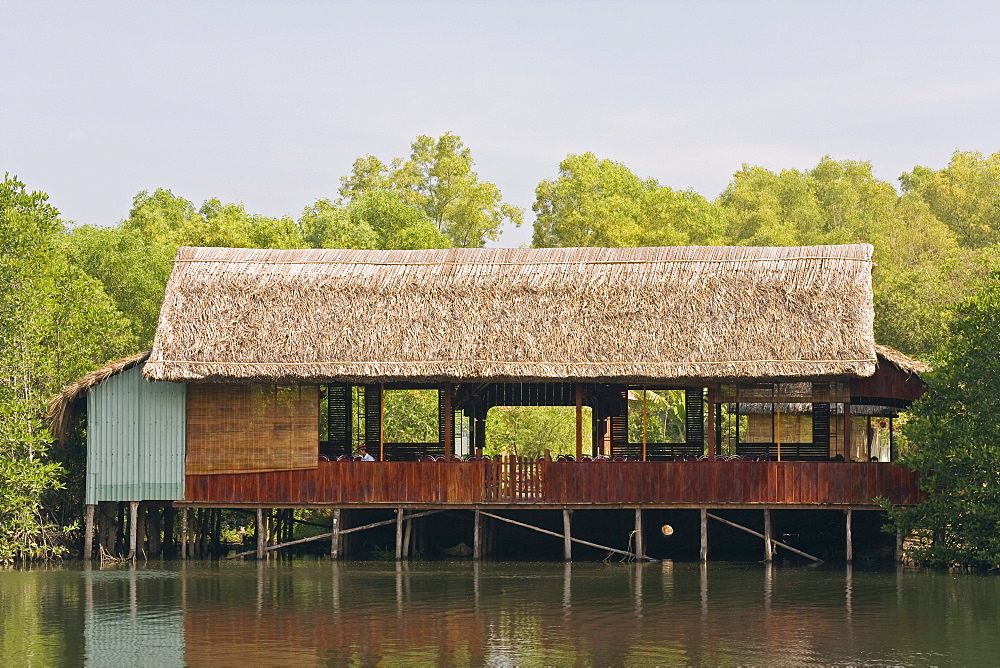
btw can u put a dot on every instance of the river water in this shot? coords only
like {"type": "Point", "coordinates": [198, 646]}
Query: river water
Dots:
{"type": "Point", "coordinates": [311, 613]}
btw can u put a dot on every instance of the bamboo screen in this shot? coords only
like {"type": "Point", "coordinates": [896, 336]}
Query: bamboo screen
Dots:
{"type": "Point", "coordinates": [251, 428]}
{"type": "Point", "coordinates": [796, 428]}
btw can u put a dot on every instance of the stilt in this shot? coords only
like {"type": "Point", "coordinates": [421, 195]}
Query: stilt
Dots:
{"type": "Point", "coordinates": [899, 545]}
{"type": "Point", "coordinates": [399, 534]}
{"type": "Point", "coordinates": [760, 535]}
{"type": "Point", "coordinates": [704, 534]}
{"type": "Point", "coordinates": [88, 532]}
{"type": "Point", "coordinates": [407, 532]}
{"type": "Point", "coordinates": [640, 545]}
{"type": "Point", "coordinates": [477, 535]}
{"type": "Point", "coordinates": [768, 547]}
{"type": "Point", "coordinates": [567, 537]}
{"type": "Point", "coordinates": [335, 535]}
{"type": "Point", "coordinates": [142, 512]}
{"type": "Point", "coordinates": [261, 534]}
{"type": "Point", "coordinates": [624, 553]}
{"type": "Point", "coordinates": [850, 543]}
{"type": "Point", "coordinates": [133, 519]}
{"type": "Point", "coordinates": [184, 533]}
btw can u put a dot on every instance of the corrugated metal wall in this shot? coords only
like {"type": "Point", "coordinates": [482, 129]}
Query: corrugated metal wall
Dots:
{"type": "Point", "coordinates": [135, 440]}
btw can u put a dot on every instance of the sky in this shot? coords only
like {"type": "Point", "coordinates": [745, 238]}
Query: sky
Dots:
{"type": "Point", "coordinates": [270, 103]}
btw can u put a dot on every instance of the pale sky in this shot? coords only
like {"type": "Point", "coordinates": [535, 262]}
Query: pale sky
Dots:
{"type": "Point", "coordinates": [269, 103]}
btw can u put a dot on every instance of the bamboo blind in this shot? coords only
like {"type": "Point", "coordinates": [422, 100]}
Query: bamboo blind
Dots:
{"type": "Point", "coordinates": [251, 428]}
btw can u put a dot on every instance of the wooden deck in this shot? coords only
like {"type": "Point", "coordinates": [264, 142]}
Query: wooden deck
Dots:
{"type": "Point", "coordinates": [540, 484]}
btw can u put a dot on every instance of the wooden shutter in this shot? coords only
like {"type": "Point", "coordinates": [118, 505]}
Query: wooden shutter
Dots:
{"type": "Point", "coordinates": [338, 419]}
{"type": "Point", "coordinates": [821, 426]}
{"type": "Point", "coordinates": [373, 418]}
{"type": "Point", "coordinates": [694, 421]}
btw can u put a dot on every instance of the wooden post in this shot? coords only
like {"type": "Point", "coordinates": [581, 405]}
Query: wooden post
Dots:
{"type": "Point", "coordinates": [133, 521]}
{"type": "Point", "coordinates": [899, 546]}
{"type": "Point", "coordinates": [261, 534]}
{"type": "Point", "coordinates": [567, 538]}
{"type": "Point", "coordinates": [704, 534]}
{"type": "Point", "coordinates": [477, 536]}
{"type": "Point", "coordinates": [184, 533]}
{"type": "Point", "coordinates": [381, 422]}
{"type": "Point", "coordinates": [407, 531]}
{"type": "Point", "coordinates": [847, 432]}
{"type": "Point", "coordinates": [449, 427]}
{"type": "Point", "coordinates": [850, 543]}
{"type": "Point", "coordinates": [335, 537]}
{"type": "Point", "coordinates": [777, 441]}
{"type": "Point", "coordinates": [579, 421]}
{"type": "Point", "coordinates": [88, 532]}
{"type": "Point", "coordinates": [643, 423]}
{"type": "Point", "coordinates": [399, 534]}
{"type": "Point", "coordinates": [768, 547]}
{"type": "Point", "coordinates": [713, 446]}
{"type": "Point", "coordinates": [640, 545]}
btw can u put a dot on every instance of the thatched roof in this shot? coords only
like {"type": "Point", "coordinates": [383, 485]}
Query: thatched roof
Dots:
{"type": "Point", "coordinates": [67, 404]}
{"type": "Point", "coordinates": [614, 314]}
{"type": "Point", "coordinates": [902, 362]}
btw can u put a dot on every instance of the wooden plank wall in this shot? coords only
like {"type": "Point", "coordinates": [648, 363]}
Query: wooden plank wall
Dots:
{"type": "Point", "coordinates": [475, 482]}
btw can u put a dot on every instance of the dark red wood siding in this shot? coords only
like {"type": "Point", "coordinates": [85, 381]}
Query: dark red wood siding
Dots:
{"type": "Point", "coordinates": [557, 483]}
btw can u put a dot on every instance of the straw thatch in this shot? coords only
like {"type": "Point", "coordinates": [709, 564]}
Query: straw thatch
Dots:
{"type": "Point", "coordinates": [65, 406]}
{"type": "Point", "coordinates": [613, 314]}
{"type": "Point", "coordinates": [902, 362]}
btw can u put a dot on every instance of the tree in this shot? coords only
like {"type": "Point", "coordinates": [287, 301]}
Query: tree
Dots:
{"type": "Point", "coordinates": [56, 323]}
{"type": "Point", "coordinates": [955, 451]}
{"type": "Point", "coordinates": [599, 202]}
{"type": "Point", "coordinates": [965, 195]}
{"type": "Point", "coordinates": [329, 225]}
{"type": "Point", "coordinates": [438, 179]}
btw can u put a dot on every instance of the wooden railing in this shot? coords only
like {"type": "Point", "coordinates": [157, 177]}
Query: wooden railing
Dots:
{"type": "Point", "coordinates": [519, 481]}
{"type": "Point", "coordinates": [513, 479]}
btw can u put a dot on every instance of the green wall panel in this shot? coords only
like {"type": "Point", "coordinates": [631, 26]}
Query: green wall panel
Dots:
{"type": "Point", "coordinates": [135, 440]}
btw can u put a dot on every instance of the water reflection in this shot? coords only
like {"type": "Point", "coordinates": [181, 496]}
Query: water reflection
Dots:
{"type": "Point", "coordinates": [461, 613]}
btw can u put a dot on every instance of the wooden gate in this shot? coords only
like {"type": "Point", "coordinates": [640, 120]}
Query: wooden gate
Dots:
{"type": "Point", "coordinates": [510, 479]}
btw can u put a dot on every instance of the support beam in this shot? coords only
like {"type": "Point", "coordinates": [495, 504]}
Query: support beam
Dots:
{"type": "Point", "coordinates": [261, 534]}
{"type": "Point", "coordinates": [88, 532]}
{"type": "Point", "coordinates": [184, 533]}
{"type": "Point", "coordinates": [477, 536]}
{"type": "Point", "coordinates": [704, 535]}
{"type": "Point", "coordinates": [640, 544]}
{"type": "Point", "coordinates": [133, 521]}
{"type": "Point", "coordinates": [567, 536]}
{"type": "Point", "coordinates": [759, 535]}
{"type": "Point", "coordinates": [335, 535]}
{"type": "Point", "coordinates": [324, 536]}
{"type": "Point", "coordinates": [399, 534]}
{"type": "Point", "coordinates": [558, 535]}
{"type": "Point", "coordinates": [407, 534]}
{"type": "Point", "coordinates": [768, 546]}
{"type": "Point", "coordinates": [899, 546]}
{"type": "Point", "coordinates": [850, 543]}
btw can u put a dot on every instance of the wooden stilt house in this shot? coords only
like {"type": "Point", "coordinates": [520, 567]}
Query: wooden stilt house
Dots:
{"type": "Point", "coordinates": [269, 367]}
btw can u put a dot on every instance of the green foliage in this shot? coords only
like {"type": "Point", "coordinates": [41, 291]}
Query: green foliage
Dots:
{"type": "Point", "coordinates": [56, 323]}
{"type": "Point", "coordinates": [411, 416]}
{"type": "Point", "coordinates": [529, 430]}
{"type": "Point", "coordinates": [597, 202]}
{"type": "Point", "coordinates": [438, 180]}
{"type": "Point", "coordinates": [665, 416]}
{"type": "Point", "coordinates": [965, 195]}
{"type": "Point", "coordinates": [954, 428]}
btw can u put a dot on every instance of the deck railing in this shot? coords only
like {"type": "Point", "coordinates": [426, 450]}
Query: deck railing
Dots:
{"type": "Point", "coordinates": [520, 481]}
